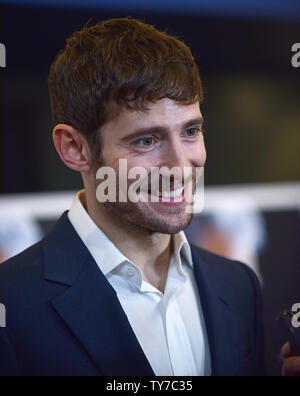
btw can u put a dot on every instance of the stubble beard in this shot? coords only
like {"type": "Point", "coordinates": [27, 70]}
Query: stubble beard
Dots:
{"type": "Point", "coordinates": [141, 218]}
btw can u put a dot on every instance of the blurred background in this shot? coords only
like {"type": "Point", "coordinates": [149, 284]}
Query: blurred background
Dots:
{"type": "Point", "coordinates": [252, 125]}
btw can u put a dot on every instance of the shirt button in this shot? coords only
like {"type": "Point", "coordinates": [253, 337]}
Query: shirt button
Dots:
{"type": "Point", "coordinates": [130, 272]}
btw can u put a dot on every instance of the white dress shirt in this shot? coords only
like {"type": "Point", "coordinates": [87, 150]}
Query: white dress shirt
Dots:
{"type": "Point", "coordinates": [169, 327]}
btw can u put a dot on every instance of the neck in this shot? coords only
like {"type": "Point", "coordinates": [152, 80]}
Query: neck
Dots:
{"type": "Point", "coordinates": [150, 251]}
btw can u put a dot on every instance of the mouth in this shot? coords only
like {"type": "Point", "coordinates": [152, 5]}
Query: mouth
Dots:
{"type": "Point", "coordinates": [172, 197]}
{"type": "Point", "coordinates": [175, 193]}
{"type": "Point", "coordinates": [170, 194]}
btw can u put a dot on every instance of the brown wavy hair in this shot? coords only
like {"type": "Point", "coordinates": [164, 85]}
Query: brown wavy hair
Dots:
{"type": "Point", "coordinates": [119, 64]}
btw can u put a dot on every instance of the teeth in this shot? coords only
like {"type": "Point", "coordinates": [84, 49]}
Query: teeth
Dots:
{"type": "Point", "coordinates": [173, 194]}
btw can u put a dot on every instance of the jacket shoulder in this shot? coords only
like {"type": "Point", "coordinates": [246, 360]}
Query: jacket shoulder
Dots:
{"type": "Point", "coordinates": [23, 261]}
{"type": "Point", "coordinates": [222, 263]}
{"type": "Point", "coordinates": [24, 267]}
{"type": "Point", "coordinates": [232, 274]}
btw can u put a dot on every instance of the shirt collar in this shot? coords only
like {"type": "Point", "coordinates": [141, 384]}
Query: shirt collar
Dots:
{"type": "Point", "coordinates": [105, 253]}
{"type": "Point", "coordinates": [182, 248]}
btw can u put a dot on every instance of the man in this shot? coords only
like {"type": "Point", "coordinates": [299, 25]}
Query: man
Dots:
{"type": "Point", "coordinates": [115, 288]}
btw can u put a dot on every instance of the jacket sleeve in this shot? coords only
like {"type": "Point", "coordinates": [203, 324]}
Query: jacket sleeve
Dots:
{"type": "Point", "coordinates": [8, 361]}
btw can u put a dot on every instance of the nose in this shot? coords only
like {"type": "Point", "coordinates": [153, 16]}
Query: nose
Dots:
{"type": "Point", "coordinates": [180, 154]}
{"type": "Point", "coordinates": [175, 155]}
{"type": "Point", "coordinates": [175, 158]}
{"type": "Point", "coordinates": [185, 158]}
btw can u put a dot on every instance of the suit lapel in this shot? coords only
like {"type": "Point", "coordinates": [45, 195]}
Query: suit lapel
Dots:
{"type": "Point", "coordinates": [219, 314]}
{"type": "Point", "coordinates": [90, 307]}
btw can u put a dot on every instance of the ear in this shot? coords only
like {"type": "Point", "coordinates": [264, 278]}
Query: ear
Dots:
{"type": "Point", "coordinates": [72, 147]}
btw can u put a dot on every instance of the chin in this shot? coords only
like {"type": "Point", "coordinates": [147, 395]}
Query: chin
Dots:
{"type": "Point", "coordinates": [171, 227]}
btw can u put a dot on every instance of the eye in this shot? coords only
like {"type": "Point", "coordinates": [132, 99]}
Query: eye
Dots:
{"type": "Point", "coordinates": [145, 142]}
{"type": "Point", "coordinates": [192, 132]}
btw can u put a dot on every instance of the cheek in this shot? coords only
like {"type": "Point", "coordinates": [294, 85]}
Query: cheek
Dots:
{"type": "Point", "coordinates": [145, 163]}
{"type": "Point", "coordinates": [132, 169]}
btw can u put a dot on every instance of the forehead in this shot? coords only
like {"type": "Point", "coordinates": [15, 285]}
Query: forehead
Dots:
{"type": "Point", "coordinates": [164, 113]}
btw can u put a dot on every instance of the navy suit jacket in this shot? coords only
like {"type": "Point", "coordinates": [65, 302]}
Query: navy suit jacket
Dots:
{"type": "Point", "coordinates": [63, 318]}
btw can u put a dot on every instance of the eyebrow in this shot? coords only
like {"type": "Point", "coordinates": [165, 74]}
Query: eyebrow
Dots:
{"type": "Point", "coordinates": [162, 130]}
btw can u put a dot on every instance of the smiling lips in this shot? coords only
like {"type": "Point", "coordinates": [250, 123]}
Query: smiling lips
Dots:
{"type": "Point", "coordinates": [169, 194]}
{"type": "Point", "coordinates": [173, 194]}
{"type": "Point", "coordinates": [173, 197]}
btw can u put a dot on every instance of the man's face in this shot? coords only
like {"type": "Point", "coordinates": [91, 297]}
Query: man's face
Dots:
{"type": "Point", "coordinates": [167, 135]}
